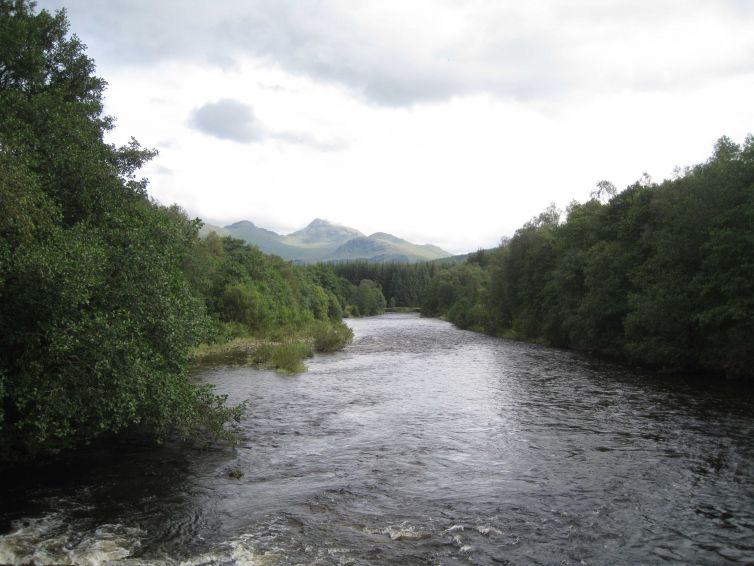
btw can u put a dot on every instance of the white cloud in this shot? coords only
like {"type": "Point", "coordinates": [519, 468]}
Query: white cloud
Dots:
{"type": "Point", "coordinates": [455, 122]}
{"type": "Point", "coordinates": [398, 53]}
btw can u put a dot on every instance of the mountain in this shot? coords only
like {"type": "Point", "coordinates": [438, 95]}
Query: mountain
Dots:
{"type": "Point", "coordinates": [324, 241]}
{"type": "Point", "coordinates": [322, 235]}
{"type": "Point", "coordinates": [248, 230]}
{"type": "Point", "coordinates": [207, 229]}
{"type": "Point", "coordinates": [382, 247]}
{"type": "Point", "coordinates": [266, 240]}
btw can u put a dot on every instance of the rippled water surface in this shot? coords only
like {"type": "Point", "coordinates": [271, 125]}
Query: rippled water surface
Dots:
{"type": "Point", "coordinates": [419, 444]}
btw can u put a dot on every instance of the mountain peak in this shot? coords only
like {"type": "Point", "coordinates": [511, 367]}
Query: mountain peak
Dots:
{"type": "Point", "coordinates": [322, 234]}
{"type": "Point", "coordinates": [242, 224]}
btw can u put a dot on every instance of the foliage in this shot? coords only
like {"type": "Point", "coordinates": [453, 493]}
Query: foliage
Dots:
{"type": "Point", "coordinates": [329, 337]}
{"type": "Point", "coordinates": [367, 298]}
{"type": "Point", "coordinates": [362, 298]}
{"type": "Point", "coordinates": [249, 292]}
{"type": "Point", "coordinates": [460, 292]}
{"type": "Point", "coordinates": [402, 284]}
{"type": "Point", "coordinates": [285, 307]}
{"type": "Point", "coordinates": [97, 320]}
{"type": "Point", "coordinates": [286, 357]}
{"type": "Point", "coordinates": [660, 274]}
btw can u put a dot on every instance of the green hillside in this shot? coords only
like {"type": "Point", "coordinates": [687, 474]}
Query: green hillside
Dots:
{"type": "Point", "coordinates": [322, 235]}
{"type": "Point", "coordinates": [384, 247]}
{"type": "Point", "coordinates": [322, 240]}
{"type": "Point", "coordinates": [266, 240]}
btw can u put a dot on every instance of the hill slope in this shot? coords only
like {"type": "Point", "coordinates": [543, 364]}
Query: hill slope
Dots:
{"type": "Point", "coordinates": [382, 247]}
{"type": "Point", "coordinates": [324, 241]}
{"type": "Point", "coordinates": [266, 240]}
{"type": "Point", "coordinates": [322, 235]}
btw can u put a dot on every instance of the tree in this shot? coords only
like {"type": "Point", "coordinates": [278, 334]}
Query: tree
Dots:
{"type": "Point", "coordinates": [604, 191]}
{"type": "Point", "coordinates": [660, 274]}
{"type": "Point", "coordinates": [96, 316]}
{"type": "Point", "coordinates": [368, 298]}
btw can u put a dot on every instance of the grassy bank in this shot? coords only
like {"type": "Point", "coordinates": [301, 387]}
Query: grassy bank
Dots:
{"type": "Point", "coordinates": [282, 350]}
{"type": "Point", "coordinates": [403, 309]}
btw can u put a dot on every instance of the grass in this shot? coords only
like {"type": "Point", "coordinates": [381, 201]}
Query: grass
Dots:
{"type": "Point", "coordinates": [281, 349]}
{"type": "Point", "coordinates": [286, 357]}
{"type": "Point", "coordinates": [329, 337]}
{"type": "Point", "coordinates": [289, 358]}
{"type": "Point", "coordinates": [234, 346]}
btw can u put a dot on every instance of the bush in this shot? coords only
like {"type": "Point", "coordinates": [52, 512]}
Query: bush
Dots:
{"type": "Point", "coordinates": [287, 357]}
{"type": "Point", "coordinates": [329, 337]}
{"type": "Point", "coordinates": [262, 356]}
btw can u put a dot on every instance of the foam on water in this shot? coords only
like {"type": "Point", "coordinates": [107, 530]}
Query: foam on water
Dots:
{"type": "Point", "coordinates": [405, 531]}
{"type": "Point", "coordinates": [52, 540]}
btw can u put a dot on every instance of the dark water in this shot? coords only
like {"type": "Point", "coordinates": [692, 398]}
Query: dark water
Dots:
{"type": "Point", "coordinates": [420, 444]}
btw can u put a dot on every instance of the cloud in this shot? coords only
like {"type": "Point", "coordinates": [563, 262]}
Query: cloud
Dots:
{"type": "Point", "coordinates": [510, 104]}
{"type": "Point", "coordinates": [230, 119]}
{"type": "Point", "coordinates": [304, 139]}
{"type": "Point", "coordinates": [397, 53]}
{"type": "Point", "coordinates": [227, 119]}
{"type": "Point", "coordinates": [162, 170]}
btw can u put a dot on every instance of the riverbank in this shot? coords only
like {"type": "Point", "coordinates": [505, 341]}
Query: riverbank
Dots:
{"type": "Point", "coordinates": [283, 351]}
{"type": "Point", "coordinates": [403, 309]}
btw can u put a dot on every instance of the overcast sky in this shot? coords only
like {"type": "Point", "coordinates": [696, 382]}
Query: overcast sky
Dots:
{"type": "Point", "coordinates": [450, 122]}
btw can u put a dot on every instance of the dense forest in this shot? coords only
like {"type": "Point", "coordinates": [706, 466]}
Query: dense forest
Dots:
{"type": "Point", "coordinates": [659, 274]}
{"type": "Point", "coordinates": [402, 284]}
{"type": "Point", "coordinates": [104, 294]}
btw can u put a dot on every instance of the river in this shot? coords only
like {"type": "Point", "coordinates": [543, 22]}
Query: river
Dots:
{"type": "Point", "coordinates": [418, 444]}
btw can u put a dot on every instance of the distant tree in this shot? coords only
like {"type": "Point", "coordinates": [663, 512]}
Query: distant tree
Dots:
{"type": "Point", "coordinates": [550, 216]}
{"type": "Point", "coordinates": [604, 191]}
{"type": "Point", "coordinates": [368, 298]}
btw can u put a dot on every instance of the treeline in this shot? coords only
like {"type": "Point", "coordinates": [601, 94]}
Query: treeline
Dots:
{"type": "Point", "coordinates": [659, 274]}
{"type": "Point", "coordinates": [249, 293]}
{"type": "Point", "coordinates": [104, 294]}
{"type": "Point", "coordinates": [361, 297]}
{"type": "Point", "coordinates": [402, 284]}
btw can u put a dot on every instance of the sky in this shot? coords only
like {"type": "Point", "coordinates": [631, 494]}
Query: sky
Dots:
{"type": "Point", "coordinates": [450, 122]}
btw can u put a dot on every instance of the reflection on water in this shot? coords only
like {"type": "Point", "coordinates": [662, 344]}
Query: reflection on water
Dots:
{"type": "Point", "coordinates": [419, 444]}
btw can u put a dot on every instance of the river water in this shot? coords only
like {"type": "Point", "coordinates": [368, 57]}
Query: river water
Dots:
{"type": "Point", "coordinates": [418, 444]}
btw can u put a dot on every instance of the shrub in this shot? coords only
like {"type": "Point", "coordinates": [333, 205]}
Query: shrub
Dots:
{"type": "Point", "coordinates": [329, 337]}
{"type": "Point", "coordinates": [289, 357]}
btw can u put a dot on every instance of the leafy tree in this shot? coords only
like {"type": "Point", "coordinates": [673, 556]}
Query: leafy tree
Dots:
{"type": "Point", "coordinates": [405, 283]}
{"type": "Point", "coordinates": [604, 191]}
{"type": "Point", "coordinates": [661, 274]}
{"type": "Point", "coordinates": [368, 298]}
{"type": "Point", "coordinates": [96, 317]}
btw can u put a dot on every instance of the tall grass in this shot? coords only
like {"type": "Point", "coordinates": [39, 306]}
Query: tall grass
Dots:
{"type": "Point", "coordinates": [286, 357]}
{"type": "Point", "coordinates": [282, 349]}
{"type": "Point", "coordinates": [331, 336]}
